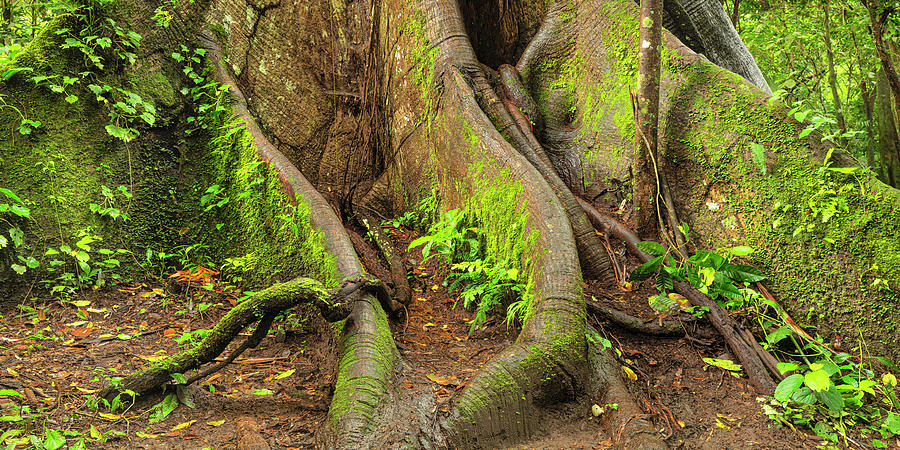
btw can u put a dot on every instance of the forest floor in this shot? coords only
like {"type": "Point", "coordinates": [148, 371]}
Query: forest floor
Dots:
{"type": "Point", "coordinates": [56, 355]}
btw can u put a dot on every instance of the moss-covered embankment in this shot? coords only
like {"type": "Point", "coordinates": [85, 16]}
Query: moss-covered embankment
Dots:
{"type": "Point", "coordinates": [828, 240]}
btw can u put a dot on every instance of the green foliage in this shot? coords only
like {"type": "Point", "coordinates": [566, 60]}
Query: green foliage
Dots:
{"type": "Point", "coordinates": [12, 212]}
{"type": "Point", "coordinates": [711, 273]}
{"type": "Point", "coordinates": [81, 266]}
{"type": "Point", "coordinates": [482, 282]}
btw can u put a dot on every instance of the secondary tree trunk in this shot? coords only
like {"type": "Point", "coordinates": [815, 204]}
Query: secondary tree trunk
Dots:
{"type": "Point", "coordinates": [832, 76]}
{"type": "Point", "coordinates": [647, 167]}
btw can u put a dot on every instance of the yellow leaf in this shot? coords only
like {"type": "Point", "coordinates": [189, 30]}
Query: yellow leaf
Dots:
{"type": "Point", "coordinates": [216, 423]}
{"type": "Point", "coordinates": [105, 336]}
{"type": "Point", "coordinates": [12, 372]}
{"type": "Point", "coordinates": [284, 374]}
{"type": "Point", "coordinates": [159, 291]}
{"type": "Point", "coordinates": [97, 311]}
{"type": "Point", "coordinates": [680, 423]}
{"type": "Point", "coordinates": [109, 416]}
{"type": "Point", "coordinates": [77, 324]}
{"type": "Point", "coordinates": [86, 391]}
{"type": "Point", "coordinates": [183, 425]}
{"type": "Point", "coordinates": [443, 380]}
{"type": "Point", "coordinates": [152, 358]}
{"type": "Point", "coordinates": [631, 375]}
{"type": "Point", "coordinates": [81, 303]}
{"type": "Point", "coordinates": [141, 434]}
{"type": "Point", "coordinates": [95, 433]}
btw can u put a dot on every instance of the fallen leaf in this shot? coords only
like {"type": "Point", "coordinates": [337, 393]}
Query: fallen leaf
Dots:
{"type": "Point", "coordinates": [80, 332]}
{"type": "Point", "coordinates": [183, 425]}
{"type": "Point", "coordinates": [216, 423]}
{"type": "Point", "coordinates": [80, 303]}
{"type": "Point", "coordinates": [109, 416]}
{"type": "Point", "coordinates": [96, 311]}
{"type": "Point", "coordinates": [631, 375]}
{"type": "Point", "coordinates": [443, 380]}
{"type": "Point", "coordinates": [141, 434]}
{"type": "Point", "coordinates": [171, 434]}
{"type": "Point", "coordinates": [284, 374]}
{"type": "Point", "coordinates": [78, 324]}
{"type": "Point", "coordinates": [170, 332]}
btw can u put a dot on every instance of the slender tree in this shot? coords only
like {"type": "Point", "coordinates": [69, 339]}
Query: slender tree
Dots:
{"type": "Point", "coordinates": [646, 177]}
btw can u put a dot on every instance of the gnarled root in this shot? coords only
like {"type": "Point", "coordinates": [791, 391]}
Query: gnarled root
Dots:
{"type": "Point", "coordinates": [334, 305]}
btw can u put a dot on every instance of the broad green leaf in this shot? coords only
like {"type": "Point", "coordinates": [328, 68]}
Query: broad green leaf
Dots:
{"type": "Point", "coordinates": [788, 386]}
{"type": "Point", "coordinates": [831, 397]}
{"type": "Point", "coordinates": [889, 379]}
{"type": "Point", "coordinates": [804, 395]}
{"type": "Point", "coordinates": [785, 367]}
{"type": "Point", "coordinates": [179, 377]}
{"type": "Point", "coordinates": [9, 392]}
{"type": "Point", "coordinates": [646, 270]}
{"type": "Point", "coordinates": [653, 248]}
{"type": "Point", "coordinates": [892, 423]}
{"type": "Point", "coordinates": [53, 439]}
{"type": "Point", "coordinates": [817, 380]}
{"type": "Point", "coordinates": [743, 273]}
{"type": "Point", "coordinates": [741, 250]}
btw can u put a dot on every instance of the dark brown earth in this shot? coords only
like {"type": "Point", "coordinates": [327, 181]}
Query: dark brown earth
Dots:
{"type": "Point", "coordinates": [57, 354]}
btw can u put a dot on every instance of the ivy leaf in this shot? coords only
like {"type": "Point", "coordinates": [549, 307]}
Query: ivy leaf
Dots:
{"type": "Point", "coordinates": [653, 248]}
{"type": "Point", "coordinates": [787, 387]}
{"type": "Point", "coordinates": [743, 273]}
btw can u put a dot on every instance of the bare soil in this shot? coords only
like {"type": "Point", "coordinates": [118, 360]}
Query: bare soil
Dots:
{"type": "Point", "coordinates": [56, 355]}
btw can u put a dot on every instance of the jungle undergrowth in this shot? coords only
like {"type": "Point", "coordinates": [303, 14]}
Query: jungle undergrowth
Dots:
{"type": "Point", "coordinates": [483, 284]}
{"type": "Point", "coordinates": [838, 395]}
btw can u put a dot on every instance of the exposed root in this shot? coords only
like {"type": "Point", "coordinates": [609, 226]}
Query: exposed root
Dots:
{"type": "Point", "coordinates": [632, 323]}
{"type": "Point", "coordinates": [749, 355]}
{"type": "Point", "coordinates": [627, 425]}
{"type": "Point", "coordinates": [334, 305]}
{"type": "Point", "coordinates": [401, 290]}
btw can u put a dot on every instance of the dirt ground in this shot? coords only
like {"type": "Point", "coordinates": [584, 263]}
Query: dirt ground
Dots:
{"type": "Point", "coordinates": [57, 354]}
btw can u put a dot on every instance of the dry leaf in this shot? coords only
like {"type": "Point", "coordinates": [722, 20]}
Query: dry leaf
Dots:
{"type": "Point", "coordinates": [183, 425]}
{"type": "Point", "coordinates": [631, 375]}
{"type": "Point", "coordinates": [109, 416]}
{"type": "Point", "coordinates": [443, 380]}
{"type": "Point", "coordinates": [216, 423]}
{"type": "Point", "coordinates": [141, 434]}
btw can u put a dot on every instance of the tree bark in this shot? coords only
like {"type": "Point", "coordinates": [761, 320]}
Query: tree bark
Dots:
{"type": "Point", "coordinates": [832, 76]}
{"type": "Point", "coordinates": [878, 15]}
{"type": "Point", "coordinates": [647, 170]}
{"type": "Point", "coordinates": [888, 135]}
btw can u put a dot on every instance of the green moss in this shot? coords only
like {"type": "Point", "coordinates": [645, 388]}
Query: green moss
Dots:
{"type": "Point", "coordinates": [259, 218]}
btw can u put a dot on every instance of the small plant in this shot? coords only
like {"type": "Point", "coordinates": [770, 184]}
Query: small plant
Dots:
{"type": "Point", "coordinates": [482, 282]}
{"type": "Point", "coordinates": [12, 212]}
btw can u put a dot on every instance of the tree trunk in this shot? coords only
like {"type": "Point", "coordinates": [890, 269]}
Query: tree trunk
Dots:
{"type": "Point", "coordinates": [647, 167]}
{"type": "Point", "coordinates": [888, 136]}
{"type": "Point", "coordinates": [832, 76]}
{"type": "Point", "coordinates": [878, 16]}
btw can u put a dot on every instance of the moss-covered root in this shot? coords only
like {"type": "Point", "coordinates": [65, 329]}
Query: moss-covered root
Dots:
{"type": "Point", "coordinates": [626, 425]}
{"type": "Point", "coordinates": [368, 355]}
{"type": "Point", "coordinates": [503, 402]}
{"type": "Point", "coordinates": [270, 301]}
{"type": "Point", "coordinates": [447, 20]}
